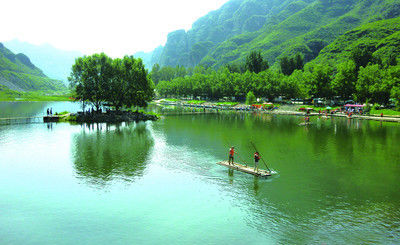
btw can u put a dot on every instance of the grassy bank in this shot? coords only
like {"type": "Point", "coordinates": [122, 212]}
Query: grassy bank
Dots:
{"type": "Point", "coordinates": [386, 112]}
{"type": "Point", "coordinates": [10, 95]}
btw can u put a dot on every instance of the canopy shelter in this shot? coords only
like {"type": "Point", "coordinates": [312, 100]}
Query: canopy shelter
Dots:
{"type": "Point", "coordinates": [355, 106]}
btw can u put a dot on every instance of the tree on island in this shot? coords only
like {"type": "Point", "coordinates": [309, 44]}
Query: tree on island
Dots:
{"type": "Point", "coordinates": [100, 80]}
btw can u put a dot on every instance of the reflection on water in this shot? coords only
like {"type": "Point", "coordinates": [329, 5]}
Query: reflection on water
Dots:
{"type": "Point", "coordinates": [333, 169]}
{"type": "Point", "coordinates": [106, 153]}
{"type": "Point", "coordinates": [337, 182]}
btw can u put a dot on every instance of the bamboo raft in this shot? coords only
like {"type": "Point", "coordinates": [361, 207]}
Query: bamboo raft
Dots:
{"type": "Point", "coordinates": [245, 169]}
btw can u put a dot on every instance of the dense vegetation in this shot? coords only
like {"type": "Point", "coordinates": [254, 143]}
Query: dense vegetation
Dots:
{"type": "Point", "coordinates": [277, 28]}
{"type": "Point", "coordinates": [363, 77]}
{"type": "Point", "coordinates": [12, 95]}
{"type": "Point", "coordinates": [99, 79]}
{"type": "Point", "coordinates": [19, 74]}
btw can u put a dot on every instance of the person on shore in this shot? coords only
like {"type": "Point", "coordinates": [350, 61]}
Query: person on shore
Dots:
{"type": "Point", "coordinates": [231, 153]}
{"type": "Point", "coordinates": [51, 111]}
{"type": "Point", "coordinates": [48, 111]}
{"type": "Point", "coordinates": [256, 159]}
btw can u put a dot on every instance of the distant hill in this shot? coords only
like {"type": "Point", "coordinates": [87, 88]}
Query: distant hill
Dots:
{"type": "Point", "coordinates": [18, 73]}
{"type": "Point", "coordinates": [150, 58]}
{"type": "Point", "coordinates": [380, 37]}
{"type": "Point", "coordinates": [55, 63]}
{"type": "Point", "coordinates": [275, 27]}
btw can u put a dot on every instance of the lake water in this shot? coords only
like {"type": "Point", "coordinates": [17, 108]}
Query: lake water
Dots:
{"type": "Point", "coordinates": [338, 180]}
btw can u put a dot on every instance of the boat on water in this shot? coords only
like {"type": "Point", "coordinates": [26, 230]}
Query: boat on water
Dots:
{"type": "Point", "coordinates": [245, 169]}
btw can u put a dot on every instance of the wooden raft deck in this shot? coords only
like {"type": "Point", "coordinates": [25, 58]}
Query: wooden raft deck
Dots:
{"type": "Point", "coordinates": [245, 169]}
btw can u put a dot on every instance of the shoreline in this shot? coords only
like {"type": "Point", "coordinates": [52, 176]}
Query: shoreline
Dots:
{"type": "Point", "coordinates": [108, 117]}
{"type": "Point", "coordinates": [283, 112]}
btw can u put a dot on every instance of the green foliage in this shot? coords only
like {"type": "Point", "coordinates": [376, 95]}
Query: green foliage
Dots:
{"type": "Point", "coordinates": [289, 65]}
{"type": "Point", "coordinates": [353, 51]}
{"type": "Point", "coordinates": [167, 73]}
{"type": "Point", "coordinates": [316, 81]}
{"type": "Point", "coordinates": [320, 86]}
{"type": "Point", "coordinates": [387, 112]}
{"type": "Point", "coordinates": [371, 84]}
{"type": "Point", "coordinates": [250, 98]}
{"type": "Point", "coordinates": [99, 79]}
{"type": "Point", "coordinates": [381, 38]}
{"type": "Point", "coordinates": [11, 95]}
{"type": "Point", "coordinates": [361, 57]}
{"type": "Point", "coordinates": [255, 62]}
{"type": "Point", "coordinates": [284, 28]}
{"type": "Point", "coordinates": [227, 103]}
{"type": "Point", "coordinates": [196, 102]}
{"type": "Point", "coordinates": [345, 80]}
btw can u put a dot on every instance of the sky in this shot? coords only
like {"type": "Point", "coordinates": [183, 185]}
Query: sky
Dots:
{"type": "Point", "coordinates": [116, 27]}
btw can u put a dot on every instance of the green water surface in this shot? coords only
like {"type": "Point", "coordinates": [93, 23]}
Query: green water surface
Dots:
{"type": "Point", "coordinates": [337, 181]}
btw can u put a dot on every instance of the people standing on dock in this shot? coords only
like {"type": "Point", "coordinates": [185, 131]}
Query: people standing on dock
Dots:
{"type": "Point", "coordinates": [48, 111]}
{"type": "Point", "coordinates": [51, 111]}
{"type": "Point", "coordinates": [231, 153]}
{"type": "Point", "coordinates": [256, 159]}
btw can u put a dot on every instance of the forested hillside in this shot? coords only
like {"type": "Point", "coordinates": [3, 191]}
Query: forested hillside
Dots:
{"type": "Point", "coordinates": [18, 73]}
{"type": "Point", "coordinates": [381, 38]}
{"type": "Point", "coordinates": [276, 28]}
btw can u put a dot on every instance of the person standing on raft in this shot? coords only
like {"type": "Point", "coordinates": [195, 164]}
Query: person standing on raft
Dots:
{"type": "Point", "coordinates": [256, 159]}
{"type": "Point", "coordinates": [231, 153]}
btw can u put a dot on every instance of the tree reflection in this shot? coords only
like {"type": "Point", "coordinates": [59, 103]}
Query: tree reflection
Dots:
{"type": "Point", "coordinates": [102, 156]}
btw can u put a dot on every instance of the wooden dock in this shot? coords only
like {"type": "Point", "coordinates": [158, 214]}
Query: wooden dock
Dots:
{"type": "Point", "coordinates": [33, 119]}
{"type": "Point", "coordinates": [245, 169]}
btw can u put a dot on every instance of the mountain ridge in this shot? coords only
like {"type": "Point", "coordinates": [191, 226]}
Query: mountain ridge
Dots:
{"type": "Point", "coordinates": [55, 63]}
{"type": "Point", "coordinates": [18, 73]}
{"type": "Point", "coordinates": [292, 26]}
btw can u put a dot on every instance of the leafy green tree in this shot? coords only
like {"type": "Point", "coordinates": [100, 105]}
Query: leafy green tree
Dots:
{"type": "Point", "coordinates": [320, 84]}
{"type": "Point", "coordinates": [250, 98]}
{"type": "Point", "coordinates": [361, 57]}
{"type": "Point", "coordinates": [289, 65]}
{"type": "Point", "coordinates": [139, 87]}
{"type": "Point", "coordinates": [371, 85]}
{"type": "Point", "coordinates": [392, 76]}
{"type": "Point", "coordinates": [299, 62]}
{"type": "Point", "coordinates": [344, 84]}
{"type": "Point", "coordinates": [117, 85]}
{"type": "Point", "coordinates": [295, 85]}
{"type": "Point", "coordinates": [120, 82]}
{"type": "Point", "coordinates": [255, 62]}
{"type": "Point", "coordinates": [90, 77]}
{"type": "Point", "coordinates": [391, 60]}
{"type": "Point", "coordinates": [236, 68]}
{"type": "Point", "coordinates": [155, 74]}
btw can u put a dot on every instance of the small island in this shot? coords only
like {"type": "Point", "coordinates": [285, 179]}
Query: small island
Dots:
{"type": "Point", "coordinates": [120, 85]}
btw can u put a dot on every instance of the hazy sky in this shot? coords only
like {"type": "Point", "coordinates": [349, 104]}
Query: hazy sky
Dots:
{"type": "Point", "coordinates": [116, 27]}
